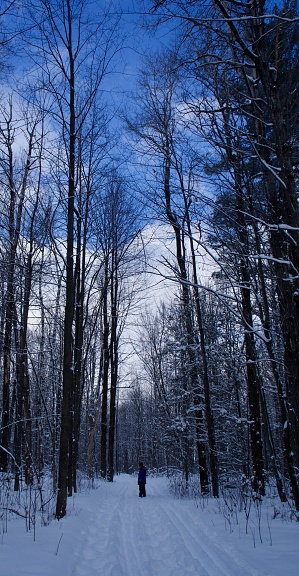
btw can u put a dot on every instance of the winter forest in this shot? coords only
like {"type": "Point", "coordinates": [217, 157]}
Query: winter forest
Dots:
{"type": "Point", "coordinates": [149, 247]}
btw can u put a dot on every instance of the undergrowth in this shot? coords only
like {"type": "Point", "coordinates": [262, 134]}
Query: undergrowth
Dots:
{"type": "Point", "coordinates": [239, 506]}
{"type": "Point", "coordinates": [34, 503]}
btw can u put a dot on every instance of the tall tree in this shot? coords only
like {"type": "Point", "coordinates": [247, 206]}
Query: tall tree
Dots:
{"type": "Point", "coordinates": [15, 183]}
{"type": "Point", "coordinates": [32, 236]}
{"type": "Point", "coordinates": [118, 218]}
{"type": "Point", "coordinates": [73, 48]}
{"type": "Point", "coordinates": [253, 48]}
{"type": "Point", "coordinates": [157, 127]}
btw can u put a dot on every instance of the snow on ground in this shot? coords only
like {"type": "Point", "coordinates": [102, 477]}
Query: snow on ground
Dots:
{"type": "Point", "coordinates": [110, 531]}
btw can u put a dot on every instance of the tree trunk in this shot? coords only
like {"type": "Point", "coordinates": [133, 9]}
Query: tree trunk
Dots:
{"type": "Point", "coordinates": [192, 343]}
{"type": "Point", "coordinates": [15, 218]}
{"type": "Point", "coordinates": [67, 392]}
{"type": "Point", "coordinates": [113, 364]}
{"type": "Point", "coordinates": [213, 459]}
{"type": "Point", "coordinates": [254, 384]}
{"type": "Point", "coordinates": [104, 380]}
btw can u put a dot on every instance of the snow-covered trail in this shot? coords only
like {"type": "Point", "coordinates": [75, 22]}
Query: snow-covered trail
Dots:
{"type": "Point", "coordinates": [153, 536]}
{"type": "Point", "coordinates": [110, 531]}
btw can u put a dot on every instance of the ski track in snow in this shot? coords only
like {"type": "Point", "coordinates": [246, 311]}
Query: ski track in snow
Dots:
{"type": "Point", "coordinates": [153, 536]}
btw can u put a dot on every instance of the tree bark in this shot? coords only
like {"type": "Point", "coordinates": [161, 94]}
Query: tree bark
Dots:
{"type": "Point", "coordinates": [113, 361]}
{"type": "Point", "coordinates": [104, 379]}
{"type": "Point", "coordinates": [67, 392]}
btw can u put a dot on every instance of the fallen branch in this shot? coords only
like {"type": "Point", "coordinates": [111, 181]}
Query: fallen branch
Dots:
{"type": "Point", "coordinates": [15, 512]}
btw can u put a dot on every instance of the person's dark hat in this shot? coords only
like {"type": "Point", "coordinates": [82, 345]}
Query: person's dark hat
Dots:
{"type": "Point", "coordinates": [140, 464]}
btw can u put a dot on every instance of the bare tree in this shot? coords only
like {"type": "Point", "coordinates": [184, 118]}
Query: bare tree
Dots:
{"type": "Point", "coordinates": [251, 48]}
{"type": "Point", "coordinates": [15, 183]}
{"type": "Point", "coordinates": [156, 126]}
{"type": "Point", "coordinates": [73, 51]}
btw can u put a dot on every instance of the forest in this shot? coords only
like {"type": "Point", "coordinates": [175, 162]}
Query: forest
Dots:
{"type": "Point", "coordinates": [149, 245]}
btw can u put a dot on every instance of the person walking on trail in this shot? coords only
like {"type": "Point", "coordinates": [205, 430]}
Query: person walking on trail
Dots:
{"type": "Point", "coordinates": [142, 480]}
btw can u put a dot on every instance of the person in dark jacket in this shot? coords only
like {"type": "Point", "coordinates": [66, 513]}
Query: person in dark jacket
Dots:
{"type": "Point", "coordinates": [142, 480]}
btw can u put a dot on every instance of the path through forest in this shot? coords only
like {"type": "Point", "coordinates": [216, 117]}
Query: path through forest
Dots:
{"type": "Point", "coordinates": [153, 536]}
{"type": "Point", "coordinates": [110, 531]}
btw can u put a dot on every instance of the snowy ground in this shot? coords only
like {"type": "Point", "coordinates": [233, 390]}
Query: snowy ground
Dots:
{"type": "Point", "coordinates": [112, 532]}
